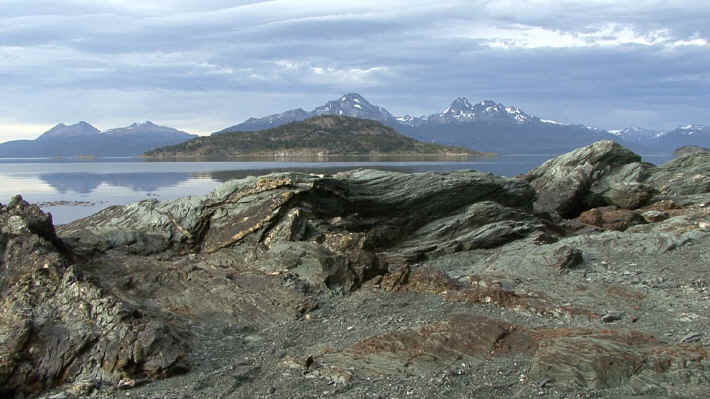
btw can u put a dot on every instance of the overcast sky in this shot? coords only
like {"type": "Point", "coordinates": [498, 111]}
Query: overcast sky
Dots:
{"type": "Point", "coordinates": [202, 65]}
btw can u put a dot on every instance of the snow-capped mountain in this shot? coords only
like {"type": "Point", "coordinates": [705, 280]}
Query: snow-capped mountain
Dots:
{"type": "Point", "coordinates": [412, 121]}
{"type": "Point", "coordinates": [351, 104]}
{"type": "Point", "coordinates": [643, 140]}
{"type": "Point", "coordinates": [690, 130]}
{"type": "Point", "coordinates": [356, 106]}
{"type": "Point", "coordinates": [637, 134]}
{"type": "Point", "coordinates": [685, 135]}
{"type": "Point", "coordinates": [462, 111]}
{"type": "Point", "coordinates": [492, 126]}
{"type": "Point", "coordinates": [487, 126]}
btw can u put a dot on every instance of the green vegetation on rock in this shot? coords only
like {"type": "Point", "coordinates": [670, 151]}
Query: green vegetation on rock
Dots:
{"type": "Point", "coordinates": [318, 137]}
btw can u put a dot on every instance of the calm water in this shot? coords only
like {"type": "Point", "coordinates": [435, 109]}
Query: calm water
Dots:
{"type": "Point", "coordinates": [85, 187]}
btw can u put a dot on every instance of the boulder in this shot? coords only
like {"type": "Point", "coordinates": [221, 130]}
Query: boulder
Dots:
{"type": "Point", "coordinates": [623, 187]}
{"type": "Point", "coordinates": [603, 173]}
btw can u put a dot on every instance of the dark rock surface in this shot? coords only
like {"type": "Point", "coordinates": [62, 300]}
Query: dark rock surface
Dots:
{"type": "Point", "coordinates": [369, 284]}
{"type": "Point", "coordinates": [58, 326]}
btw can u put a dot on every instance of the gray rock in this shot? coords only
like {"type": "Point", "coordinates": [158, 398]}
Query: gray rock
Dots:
{"type": "Point", "coordinates": [603, 173]}
{"type": "Point", "coordinates": [271, 222]}
{"type": "Point", "coordinates": [683, 176]}
{"type": "Point", "coordinates": [653, 216]}
{"type": "Point", "coordinates": [567, 257]}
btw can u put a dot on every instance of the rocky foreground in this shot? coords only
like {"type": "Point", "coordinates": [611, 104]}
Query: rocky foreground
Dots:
{"type": "Point", "coordinates": [585, 278]}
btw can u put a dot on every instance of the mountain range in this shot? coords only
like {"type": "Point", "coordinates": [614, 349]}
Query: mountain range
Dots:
{"type": "Point", "coordinates": [488, 126]}
{"type": "Point", "coordinates": [83, 139]}
{"type": "Point", "coordinates": [483, 126]}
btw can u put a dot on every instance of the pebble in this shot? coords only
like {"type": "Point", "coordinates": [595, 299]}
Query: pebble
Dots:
{"type": "Point", "coordinates": [610, 317]}
{"type": "Point", "coordinates": [692, 337]}
{"type": "Point", "coordinates": [126, 383]}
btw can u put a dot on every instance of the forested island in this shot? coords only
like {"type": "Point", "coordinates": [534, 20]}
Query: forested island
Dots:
{"type": "Point", "coordinates": [321, 137]}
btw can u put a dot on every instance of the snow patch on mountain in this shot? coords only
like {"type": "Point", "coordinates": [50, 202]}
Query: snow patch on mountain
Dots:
{"type": "Point", "coordinates": [551, 122]}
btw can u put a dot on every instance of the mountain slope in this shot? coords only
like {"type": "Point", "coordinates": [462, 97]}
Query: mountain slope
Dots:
{"type": "Point", "coordinates": [492, 126]}
{"type": "Point", "coordinates": [637, 134]}
{"type": "Point", "coordinates": [60, 131]}
{"type": "Point", "coordinates": [320, 136]}
{"type": "Point", "coordinates": [267, 122]}
{"type": "Point", "coordinates": [84, 139]}
{"type": "Point", "coordinates": [698, 135]}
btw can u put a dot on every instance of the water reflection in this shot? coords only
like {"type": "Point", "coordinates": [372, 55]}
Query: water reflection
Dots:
{"type": "Point", "coordinates": [86, 183]}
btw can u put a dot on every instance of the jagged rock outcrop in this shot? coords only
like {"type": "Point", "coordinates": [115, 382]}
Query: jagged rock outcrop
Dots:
{"type": "Point", "coordinates": [331, 231]}
{"type": "Point", "coordinates": [56, 326]}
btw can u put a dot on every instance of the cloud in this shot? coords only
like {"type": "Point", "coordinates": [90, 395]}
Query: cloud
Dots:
{"type": "Point", "coordinates": [211, 62]}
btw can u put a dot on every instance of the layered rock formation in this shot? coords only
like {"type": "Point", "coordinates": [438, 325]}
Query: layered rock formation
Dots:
{"type": "Point", "coordinates": [587, 276]}
{"type": "Point", "coordinates": [58, 326]}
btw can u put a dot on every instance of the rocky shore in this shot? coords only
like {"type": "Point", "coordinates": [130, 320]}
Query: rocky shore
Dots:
{"type": "Point", "coordinates": [587, 278]}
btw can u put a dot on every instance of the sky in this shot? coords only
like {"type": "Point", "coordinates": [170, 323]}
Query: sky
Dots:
{"type": "Point", "coordinates": [203, 65]}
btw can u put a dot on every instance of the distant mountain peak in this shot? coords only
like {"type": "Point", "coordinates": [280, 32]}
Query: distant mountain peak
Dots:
{"type": "Point", "coordinates": [460, 104]}
{"type": "Point", "coordinates": [142, 124]}
{"type": "Point", "coordinates": [76, 130]}
{"type": "Point", "coordinates": [146, 128]}
{"type": "Point", "coordinates": [83, 139]}
{"type": "Point", "coordinates": [462, 110]}
{"type": "Point", "coordinates": [356, 97]}
{"type": "Point", "coordinates": [354, 105]}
